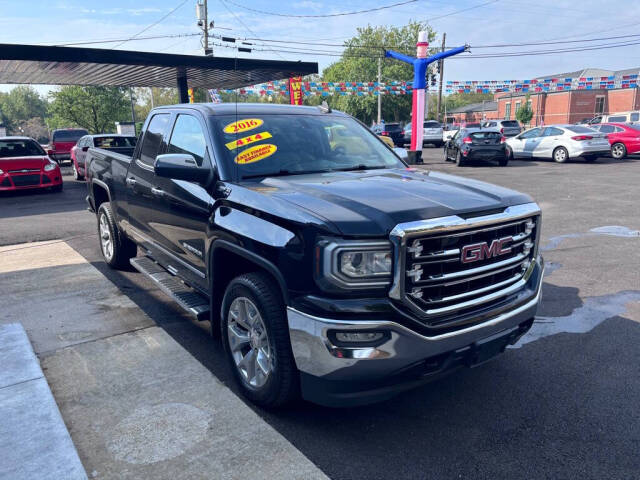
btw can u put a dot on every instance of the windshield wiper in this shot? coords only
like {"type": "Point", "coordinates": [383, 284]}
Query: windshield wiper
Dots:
{"type": "Point", "coordinates": [283, 173]}
{"type": "Point", "coordinates": [360, 167]}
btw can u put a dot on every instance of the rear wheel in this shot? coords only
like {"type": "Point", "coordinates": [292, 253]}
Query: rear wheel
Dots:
{"type": "Point", "coordinates": [460, 160]}
{"type": "Point", "coordinates": [618, 151]}
{"type": "Point", "coordinates": [509, 153]}
{"type": "Point", "coordinates": [255, 335]}
{"type": "Point", "coordinates": [560, 155]}
{"type": "Point", "coordinates": [116, 248]}
{"type": "Point", "coordinates": [503, 161]}
{"type": "Point", "coordinates": [76, 175]}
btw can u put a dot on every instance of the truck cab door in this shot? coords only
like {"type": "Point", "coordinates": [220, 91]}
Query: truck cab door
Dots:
{"type": "Point", "coordinates": [140, 177]}
{"type": "Point", "coordinates": [182, 208]}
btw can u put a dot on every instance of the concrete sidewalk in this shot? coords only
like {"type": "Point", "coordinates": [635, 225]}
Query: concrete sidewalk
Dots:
{"type": "Point", "coordinates": [34, 442]}
{"type": "Point", "coordinates": [136, 403]}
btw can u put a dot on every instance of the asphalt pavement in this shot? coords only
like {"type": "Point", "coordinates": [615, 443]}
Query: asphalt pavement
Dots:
{"type": "Point", "coordinates": [562, 404]}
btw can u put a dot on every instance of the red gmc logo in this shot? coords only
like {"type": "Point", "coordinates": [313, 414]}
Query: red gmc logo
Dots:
{"type": "Point", "coordinates": [482, 251]}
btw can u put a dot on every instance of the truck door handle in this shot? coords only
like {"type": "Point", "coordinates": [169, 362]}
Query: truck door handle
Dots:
{"type": "Point", "coordinates": [157, 192]}
{"type": "Point", "coordinates": [131, 181]}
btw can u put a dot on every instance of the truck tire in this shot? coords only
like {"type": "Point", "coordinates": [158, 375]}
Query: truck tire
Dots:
{"type": "Point", "coordinates": [255, 335]}
{"type": "Point", "coordinates": [116, 248]}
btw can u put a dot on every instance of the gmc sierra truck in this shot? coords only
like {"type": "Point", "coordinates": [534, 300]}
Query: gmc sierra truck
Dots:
{"type": "Point", "coordinates": [328, 270]}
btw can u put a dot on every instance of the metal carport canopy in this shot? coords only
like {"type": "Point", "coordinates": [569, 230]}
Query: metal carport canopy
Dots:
{"type": "Point", "coordinates": [33, 64]}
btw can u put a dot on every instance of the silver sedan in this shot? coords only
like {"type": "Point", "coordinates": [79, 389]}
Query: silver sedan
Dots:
{"type": "Point", "coordinates": [559, 142]}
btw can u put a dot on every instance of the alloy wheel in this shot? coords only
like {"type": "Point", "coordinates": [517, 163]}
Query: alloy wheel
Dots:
{"type": "Point", "coordinates": [106, 242]}
{"type": "Point", "coordinates": [617, 151]}
{"type": "Point", "coordinates": [249, 342]}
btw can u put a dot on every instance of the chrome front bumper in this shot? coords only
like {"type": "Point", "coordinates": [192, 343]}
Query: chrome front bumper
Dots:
{"type": "Point", "coordinates": [316, 355]}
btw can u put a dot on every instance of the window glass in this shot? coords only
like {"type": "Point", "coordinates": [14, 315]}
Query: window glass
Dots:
{"type": "Point", "coordinates": [599, 104]}
{"type": "Point", "coordinates": [619, 130]}
{"type": "Point", "coordinates": [485, 135]}
{"type": "Point", "coordinates": [188, 137]}
{"type": "Point", "coordinates": [635, 117]}
{"type": "Point", "coordinates": [534, 132]}
{"type": "Point", "coordinates": [280, 144]}
{"type": "Point", "coordinates": [510, 123]}
{"type": "Point", "coordinates": [607, 128]}
{"type": "Point", "coordinates": [507, 111]}
{"type": "Point", "coordinates": [115, 142]}
{"type": "Point", "coordinates": [552, 132]}
{"type": "Point", "coordinates": [431, 125]}
{"type": "Point", "coordinates": [619, 118]}
{"type": "Point", "coordinates": [71, 135]}
{"type": "Point", "coordinates": [580, 129]}
{"type": "Point", "coordinates": [153, 138]}
{"type": "Point", "coordinates": [20, 148]}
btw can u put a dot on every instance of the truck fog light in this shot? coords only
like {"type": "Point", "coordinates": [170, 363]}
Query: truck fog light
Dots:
{"type": "Point", "coordinates": [354, 338]}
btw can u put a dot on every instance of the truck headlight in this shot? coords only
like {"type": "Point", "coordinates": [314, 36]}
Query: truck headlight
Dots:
{"type": "Point", "coordinates": [349, 264]}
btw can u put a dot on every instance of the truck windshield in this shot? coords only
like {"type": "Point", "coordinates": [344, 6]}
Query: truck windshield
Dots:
{"type": "Point", "coordinates": [268, 145]}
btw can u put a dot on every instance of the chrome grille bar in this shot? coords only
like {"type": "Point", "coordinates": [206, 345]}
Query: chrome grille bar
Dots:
{"type": "Point", "coordinates": [460, 296]}
{"type": "Point", "coordinates": [464, 273]}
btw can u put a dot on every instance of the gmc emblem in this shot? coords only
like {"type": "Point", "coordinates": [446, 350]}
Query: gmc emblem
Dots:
{"type": "Point", "coordinates": [482, 251]}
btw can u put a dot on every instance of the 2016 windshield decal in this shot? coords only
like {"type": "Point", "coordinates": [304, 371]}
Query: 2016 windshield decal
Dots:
{"type": "Point", "coordinates": [255, 154]}
{"type": "Point", "coordinates": [242, 142]}
{"type": "Point", "coordinates": [243, 125]}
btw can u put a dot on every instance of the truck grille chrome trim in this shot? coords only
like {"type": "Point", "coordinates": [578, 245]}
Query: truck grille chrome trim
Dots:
{"type": "Point", "coordinates": [451, 265]}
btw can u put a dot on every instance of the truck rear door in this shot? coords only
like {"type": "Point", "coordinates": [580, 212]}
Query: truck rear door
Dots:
{"type": "Point", "coordinates": [140, 179]}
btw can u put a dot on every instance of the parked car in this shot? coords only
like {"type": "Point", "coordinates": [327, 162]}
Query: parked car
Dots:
{"type": "Point", "coordinates": [508, 128]}
{"type": "Point", "coordinates": [559, 143]}
{"type": "Point", "coordinates": [25, 165]}
{"type": "Point", "coordinates": [346, 278]}
{"type": "Point", "coordinates": [622, 117]}
{"type": "Point", "coordinates": [431, 134]}
{"type": "Point", "coordinates": [471, 125]}
{"type": "Point", "coordinates": [449, 130]}
{"type": "Point", "coordinates": [391, 130]}
{"type": "Point", "coordinates": [124, 144]}
{"type": "Point", "coordinates": [62, 141]}
{"type": "Point", "coordinates": [624, 138]}
{"type": "Point", "coordinates": [476, 144]}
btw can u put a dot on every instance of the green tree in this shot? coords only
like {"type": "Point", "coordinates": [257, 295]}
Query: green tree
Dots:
{"type": "Point", "coordinates": [94, 108]}
{"type": "Point", "coordinates": [525, 113]}
{"type": "Point", "coordinates": [358, 64]}
{"type": "Point", "coordinates": [21, 105]}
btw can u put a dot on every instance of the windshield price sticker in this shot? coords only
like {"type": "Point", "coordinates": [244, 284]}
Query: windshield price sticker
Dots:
{"type": "Point", "coordinates": [255, 154]}
{"type": "Point", "coordinates": [242, 142]}
{"type": "Point", "coordinates": [243, 125]}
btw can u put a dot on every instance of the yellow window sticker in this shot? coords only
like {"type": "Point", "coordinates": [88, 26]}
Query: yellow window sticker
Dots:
{"type": "Point", "coordinates": [243, 125]}
{"type": "Point", "coordinates": [243, 142]}
{"type": "Point", "coordinates": [255, 153]}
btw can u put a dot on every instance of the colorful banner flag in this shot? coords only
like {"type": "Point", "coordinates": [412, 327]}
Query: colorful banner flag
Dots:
{"type": "Point", "coordinates": [295, 90]}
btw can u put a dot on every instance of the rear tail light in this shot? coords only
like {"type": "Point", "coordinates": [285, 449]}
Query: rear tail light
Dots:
{"type": "Point", "coordinates": [503, 139]}
{"type": "Point", "coordinates": [386, 134]}
{"type": "Point", "coordinates": [467, 140]}
{"type": "Point", "coordinates": [502, 130]}
{"type": "Point", "coordinates": [582, 137]}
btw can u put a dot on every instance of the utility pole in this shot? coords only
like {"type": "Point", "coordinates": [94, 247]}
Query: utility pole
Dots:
{"type": "Point", "coordinates": [379, 91]}
{"type": "Point", "coordinates": [441, 68]}
{"type": "Point", "coordinates": [203, 22]}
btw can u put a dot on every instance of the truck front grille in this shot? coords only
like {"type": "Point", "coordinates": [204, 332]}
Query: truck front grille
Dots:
{"type": "Point", "coordinates": [453, 266]}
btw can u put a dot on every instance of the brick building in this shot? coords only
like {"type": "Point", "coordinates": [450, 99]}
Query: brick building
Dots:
{"type": "Point", "coordinates": [573, 105]}
{"type": "Point", "coordinates": [474, 112]}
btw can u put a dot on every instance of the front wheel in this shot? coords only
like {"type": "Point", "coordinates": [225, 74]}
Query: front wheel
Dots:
{"type": "Point", "coordinates": [560, 155]}
{"type": "Point", "coordinates": [618, 151]}
{"type": "Point", "coordinates": [255, 334]}
{"type": "Point", "coordinates": [116, 249]}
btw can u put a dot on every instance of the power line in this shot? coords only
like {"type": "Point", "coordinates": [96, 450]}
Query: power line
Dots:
{"type": "Point", "coordinates": [462, 10]}
{"type": "Point", "coordinates": [152, 25]}
{"type": "Point", "coordinates": [327, 15]}
{"type": "Point", "coordinates": [155, 37]}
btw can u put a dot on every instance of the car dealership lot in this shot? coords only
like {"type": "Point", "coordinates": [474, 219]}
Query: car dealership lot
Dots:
{"type": "Point", "coordinates": [561, 405]}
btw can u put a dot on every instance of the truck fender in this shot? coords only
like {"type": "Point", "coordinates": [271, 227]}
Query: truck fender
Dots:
{"type": "Point", "coordinates": [259, 261]}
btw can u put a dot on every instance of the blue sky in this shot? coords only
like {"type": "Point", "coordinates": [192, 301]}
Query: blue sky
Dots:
{"type": "Point", "coordinates": [503, 21]}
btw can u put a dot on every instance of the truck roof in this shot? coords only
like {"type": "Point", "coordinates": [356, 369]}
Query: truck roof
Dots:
{"type": "Point", "coordinates": [247, 109]}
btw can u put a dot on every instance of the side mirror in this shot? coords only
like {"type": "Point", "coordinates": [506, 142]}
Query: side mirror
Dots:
{"type": "Point", "coordinates": [180, 166]}
{"type": "Point", "coordinates": [84, 149]}
{"type": "Point", "coordinates": [51, 153]}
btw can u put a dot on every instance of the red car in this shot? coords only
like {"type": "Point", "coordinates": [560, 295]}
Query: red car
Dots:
{"type": "Point", "coordinates": [62, 141]}
{"type": "Point", "coordinates": [25, 165]}
{"type": "Point", "coordinates": [624, 138]}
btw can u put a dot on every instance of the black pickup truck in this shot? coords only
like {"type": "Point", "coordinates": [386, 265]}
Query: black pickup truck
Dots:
{"type": "Point", "coordinates": [328, 269]}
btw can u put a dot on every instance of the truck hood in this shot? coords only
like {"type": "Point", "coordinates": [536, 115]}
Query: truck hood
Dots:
{"type": "Point", "coordinates": [373, 202]}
